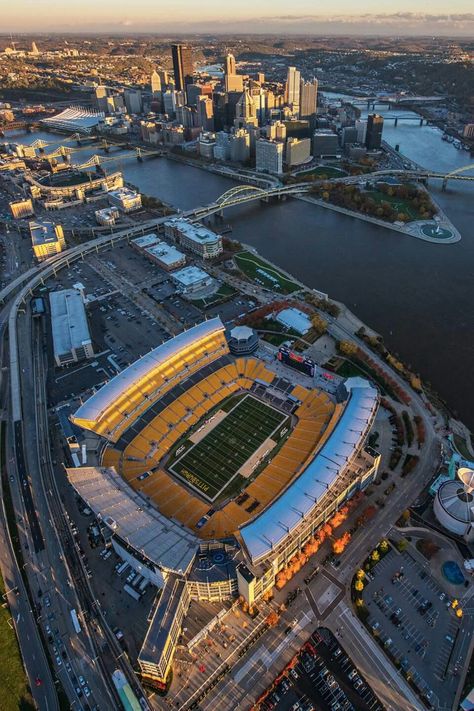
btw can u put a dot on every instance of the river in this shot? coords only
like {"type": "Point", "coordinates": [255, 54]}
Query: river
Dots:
{"type": "Point", "coordinates": [418, 295]}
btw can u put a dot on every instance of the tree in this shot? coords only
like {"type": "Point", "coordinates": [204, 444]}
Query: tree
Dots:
{"type": "Point", "coordinates": [359, 602]}
{"type": "Point", "coordinates": [360, 575]}
{"type": "Point", "coordinates": [319, 324]}
{"type": "Point", "coordinates": [402, 545]}
{"type": "Point", "coordinates": [359, 585]}
{"type": "Point", "coordinates": [347, 348]}
{"type": "Point", "coordinates": [272, 619]}
{"type": "Point", "coordinates": [375, 556]}
{"type": "Point", "coordinates": [384, 545]}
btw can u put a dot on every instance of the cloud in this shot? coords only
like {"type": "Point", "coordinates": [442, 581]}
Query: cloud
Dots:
{"type": "Point", "coordinates": [396, 17]}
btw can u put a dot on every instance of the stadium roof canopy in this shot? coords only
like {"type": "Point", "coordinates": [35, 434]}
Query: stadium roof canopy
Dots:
{"type": "Point", "coordinates": [138, 371]}
{"type": "Point", "coordinates": [74, 119]}
{"type": "Point", "coordinates": [263, 534]}
{"type": "Point", "coordinates": [131, 517]}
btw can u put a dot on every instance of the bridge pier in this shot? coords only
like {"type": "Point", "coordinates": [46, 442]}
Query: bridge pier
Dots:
{"type": "Point", "coordinates": [421, 122]}
{"type": "Point", "coordinates": [445, 185]}
{"type": "Point", "coordinates": [396, 122]}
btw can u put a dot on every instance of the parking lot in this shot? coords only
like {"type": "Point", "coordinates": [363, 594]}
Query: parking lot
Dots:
{"type": "Point", "coordinates": [122, 611]}
{"type": "Point", "coordinates": [412, 617]}
{"type": "Point", "coordinates": [323, 678]}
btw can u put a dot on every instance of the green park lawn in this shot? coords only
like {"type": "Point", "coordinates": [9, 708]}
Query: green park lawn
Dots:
{"type": "Point", "coordinates": [269, 277]}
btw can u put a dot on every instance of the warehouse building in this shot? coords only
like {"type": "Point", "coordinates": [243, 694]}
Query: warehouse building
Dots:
{"type": "Point", "coordinates": [71, 337]}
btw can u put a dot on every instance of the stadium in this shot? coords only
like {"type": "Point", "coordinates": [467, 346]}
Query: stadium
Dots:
{"type": "Point", "coordinates": [216, 470]}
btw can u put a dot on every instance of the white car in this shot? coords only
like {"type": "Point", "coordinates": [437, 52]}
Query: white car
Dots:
{"type": "Point", "coordinates": [87, 691]}
{"type": "Point", "coordinates": [82, 681]}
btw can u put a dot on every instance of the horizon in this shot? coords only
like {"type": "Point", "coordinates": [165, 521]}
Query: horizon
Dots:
{"type": "Point", "coordinates": [413, 18]}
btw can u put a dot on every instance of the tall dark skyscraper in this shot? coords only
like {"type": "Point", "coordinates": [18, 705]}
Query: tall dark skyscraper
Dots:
{"type": "Point", "coordinates": [182, 66]}
{"type": "Point", "coordinates": [373, 137]}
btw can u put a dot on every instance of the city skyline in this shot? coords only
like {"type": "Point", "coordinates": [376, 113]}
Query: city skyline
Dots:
{"type": "Point", "coordinates": [419, 17]}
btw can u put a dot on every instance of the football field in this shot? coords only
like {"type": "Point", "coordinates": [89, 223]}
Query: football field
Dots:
{"type": "Point", "coordinates": [209, 465]}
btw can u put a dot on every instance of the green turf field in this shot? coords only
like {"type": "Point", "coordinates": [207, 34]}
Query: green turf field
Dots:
{"type": "Point", "coordinates": [210, 465]}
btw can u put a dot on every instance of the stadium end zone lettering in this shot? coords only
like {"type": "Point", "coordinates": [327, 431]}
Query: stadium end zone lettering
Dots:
{"type": "Point", "coordinates": [194, 480]}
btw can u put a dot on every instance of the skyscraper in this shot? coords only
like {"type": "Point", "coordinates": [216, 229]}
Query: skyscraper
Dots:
{"type": "Point", "coordinates": [245, 110]}
{"type": "Point", "coordinates": [205, 112]}
{"type": "Point", "coordinates": [233, 81]}
{"type": "Point", "coordinates": [155, 82]}
{"type": "Point", "coordinates": [308, 98]}
{"type": "Point", "coordinates": [293, 81]}
{"type": "Point", "coordinates": [373, 137]}
{"type": "Point", "coordinates": [230, 64]}
{"type": "Point", "coordinates": [182, 66]}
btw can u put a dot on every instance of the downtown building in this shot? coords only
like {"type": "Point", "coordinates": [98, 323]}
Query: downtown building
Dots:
{"type": "Point", "coordinates": [269, 156]}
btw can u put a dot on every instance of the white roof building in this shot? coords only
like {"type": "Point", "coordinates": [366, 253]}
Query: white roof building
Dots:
{"type": "Point", "coordinates": [75, 119]}
{"type": "Point", "coordinates": [191, 279]}
{"type": "Point", "coordinates": [145, 241]}
{"type": "Point", "coordinates": [71, 336]}
{"type": "Point", "coordinates": [294, 319]}
{"type": "Point", "coordinates": [165, 255]}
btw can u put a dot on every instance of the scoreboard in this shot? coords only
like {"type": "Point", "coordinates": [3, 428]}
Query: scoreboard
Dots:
{"type": "Point", "coordinates": [294, 360]}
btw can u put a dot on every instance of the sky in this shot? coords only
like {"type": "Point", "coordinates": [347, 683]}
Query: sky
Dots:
{"type": "Point", "coordinates": [370, 17]}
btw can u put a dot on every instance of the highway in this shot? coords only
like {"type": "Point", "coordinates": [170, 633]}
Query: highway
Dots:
{"type": "Point", "coordinates": [45, 529]}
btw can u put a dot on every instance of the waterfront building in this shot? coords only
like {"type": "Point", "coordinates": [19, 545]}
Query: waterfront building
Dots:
{"type": "Point", "coordinates": [308, 98]}
{"type": "Point", "coordinates": [21, 208]}
{"type": "Point", "coordinates": [325, 143]}
{"type": "Point", "coordinates": [74, 120]}
{"type": "Point", "coordinates": [207, 145]}
{"type": "Point", "coordinates": [182, 66]}
{"type": "Point", "coordinates": [468, 130]}
{"type": "Point", "coordinates": [373, 138]}
{"type": "Point", "coordinates": [47, 238]}
{"type": "Point", "coordinates": [453, 504]}
{"type": "Point", "coordinates": [190, 280]}
{"type": "Point", "coordinates": [294, 319]}
{"type": "Point", "coordinates": [71, 337]}
{"type": "Point", "coordinates": [173, 135]}
{"type": "Point", "coordinates": [126, 199]}
{"type": "Point", "coordinates": [194, 236]}
{"type": "Point", "coordinates": [222, 146]}
{"type": "Point", "coordinates": [269, 156]}
{"type": "Point", "coordinates": [298, 151]}
{"type": "Point", "coordinates": [240, 145]}
{"type": "Point", "coordinates": [292, 91]}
